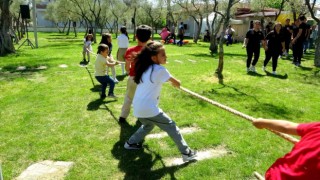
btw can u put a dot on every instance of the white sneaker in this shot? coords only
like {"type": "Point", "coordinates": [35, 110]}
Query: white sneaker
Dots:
{"type": "Point", "coordinates": [264, 68]}
{"type": "Point", "coordinates": [248, 69]}
{"type": "Point", "coordinates": [253, 69]}
{"type": "Point", "coordinates": [274, 72]}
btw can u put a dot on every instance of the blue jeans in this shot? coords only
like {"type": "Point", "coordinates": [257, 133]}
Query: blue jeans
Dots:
{"type": "Point", "coordinates": [104, 81]}
{"type": "Point", "coordinates": [305, 45]}
{"type": "Point", "coordinates": [229, 40]}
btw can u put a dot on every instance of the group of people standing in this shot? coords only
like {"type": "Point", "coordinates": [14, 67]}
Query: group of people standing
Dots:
{"type": "Point", "coordinates": [277, 42]}
{"type": "Point", "coordinates": [143, 64]}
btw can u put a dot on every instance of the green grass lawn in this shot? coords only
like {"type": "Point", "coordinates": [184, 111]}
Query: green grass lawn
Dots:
{"type": "Point", "coordinates": [56, 114]}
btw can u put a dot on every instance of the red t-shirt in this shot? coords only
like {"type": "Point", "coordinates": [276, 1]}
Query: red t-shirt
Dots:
{"type": "Point", "coordinates": [130, 53]}
{"type": "Point", "coordinates": [303, 162]}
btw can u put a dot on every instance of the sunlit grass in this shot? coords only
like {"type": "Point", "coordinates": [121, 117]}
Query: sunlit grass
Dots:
{"type": "Point", "coordinates": [55, 113]}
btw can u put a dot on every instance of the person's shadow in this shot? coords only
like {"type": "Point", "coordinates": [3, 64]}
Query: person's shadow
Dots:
{"type": "Point", "coordinates": [138, 164]}
{"type": "Point", "coordinates": [285, 76]}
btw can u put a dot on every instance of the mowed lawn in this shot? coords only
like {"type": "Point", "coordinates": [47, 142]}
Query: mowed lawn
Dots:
{"type": "Point", "coordinates": [54, 113]}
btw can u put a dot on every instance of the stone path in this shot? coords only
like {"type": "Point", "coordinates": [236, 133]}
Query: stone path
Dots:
{"type": "Point", "coordinates": [46, 170]}
{"type": "Point", "coordinates": [21, 68]}
{"type": "Point", "coordinates": [193, 61]}
{"type": "Point", "coordinates": [178, 61]}
{"type": "Point", "coordinates": [201, 155]}
{"type": "Point", "coordinates": [63, 65]}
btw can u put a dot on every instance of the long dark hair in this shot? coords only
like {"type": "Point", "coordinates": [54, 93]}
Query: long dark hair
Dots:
{"type": "Point", "coordinates": [104, 40]}
{"type": "Point", "coordinates": [143, 60]}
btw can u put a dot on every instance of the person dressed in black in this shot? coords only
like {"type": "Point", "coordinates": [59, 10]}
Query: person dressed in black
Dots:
{"type": "Point", "coordinates": [287, 33]}
{"type": "Point", "coordinates": [275, 47]}
{"type": "Point", "coordinates": [298, 40]}
{"type": "Point", "coordinates": [252, 43]}
{"type": "Point", "coordinates": [295, 30]}
{"type": "Point", "coordinates": [206, 37]}
{"type": "Point", "coordinates": [268, 28]}
{"type": "Point", "coordinates": [181, 34]}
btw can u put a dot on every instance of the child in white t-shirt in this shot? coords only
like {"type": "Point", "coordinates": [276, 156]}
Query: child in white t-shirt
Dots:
{"type": "Point", "coordinates": [87, 48]}
{"type": "Point", "coordinates": [150, 76]}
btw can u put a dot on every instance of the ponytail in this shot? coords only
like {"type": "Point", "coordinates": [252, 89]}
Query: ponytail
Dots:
{"type": "Point", "coordinates": [143, 60]}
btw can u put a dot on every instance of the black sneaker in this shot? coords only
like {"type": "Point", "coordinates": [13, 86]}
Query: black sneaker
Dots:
{"type": "Point", "coordinates": [122, 120]}
{"type": "Point", "coordinates": [132, 146]}
{"type": "Point", "coordinates": [192, 155]}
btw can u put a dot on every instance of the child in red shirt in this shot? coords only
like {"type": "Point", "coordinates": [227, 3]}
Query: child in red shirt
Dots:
{"type": "Point", "coordinates": [143, 34]}
{"type": "Point", "coordinates": [303, 162]}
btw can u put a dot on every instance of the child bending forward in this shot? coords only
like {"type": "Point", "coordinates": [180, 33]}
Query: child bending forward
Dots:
{"type": "Point", "coordinates": [150, 76]}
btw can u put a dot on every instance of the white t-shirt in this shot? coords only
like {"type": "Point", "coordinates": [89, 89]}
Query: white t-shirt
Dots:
{"type": "Point", "coordinates": [123, 41]}
{"type": "Point", "coordinates": [146, 98]}
{"type": "Point", "coordinates": [87, 45]}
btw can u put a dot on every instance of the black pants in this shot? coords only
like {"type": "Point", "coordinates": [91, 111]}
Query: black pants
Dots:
{"type": "Point", "coordinates": [297, 49]}
{"type": "Point", "coordinates": [287, 44]}
{"type": "Point", "coordinates": [271, 53]}
{"type": "Point", "coordinates": [250, 52]}
{"type": "Point", "coordinates": [181, 36]}
{"type": "Point", "coordinates": [173, 36]}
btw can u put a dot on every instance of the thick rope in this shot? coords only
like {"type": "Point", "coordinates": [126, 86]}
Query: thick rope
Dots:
{"type": "Point", "coordinates": [238, 113]}
{"type": "Point", "coordinates": [258, 176]}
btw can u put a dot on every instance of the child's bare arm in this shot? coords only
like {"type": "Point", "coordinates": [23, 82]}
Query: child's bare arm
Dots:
{"type": "Point", "coordinates": [277, 125]}
{"type": "Point", "coordinates": [175, 82]}
{"type": "Point", "coordinates": [110, 62]}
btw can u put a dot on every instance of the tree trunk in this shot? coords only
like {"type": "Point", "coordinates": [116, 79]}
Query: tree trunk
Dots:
{"type": "Point", "coordinates": [134, 24]}
{"type": "Point", "coordinates": [69, 26]}
{"type": "Point", "coordinates": [221, 51]}
{"type": "Point", "coordinates": [74, 24]}
{"type": "Point", "coordinates": [199, 25]}
{"type": "Point", "coordinates": [213, 35]}
{"type": "Point", "coordinates": [317, 50]}
{"type": "Point", "coordinates": [6, 45]}
{"type": "Point", "coordinates": [64, 26]}
{"type": "Point", "coordinates": [317, 41]}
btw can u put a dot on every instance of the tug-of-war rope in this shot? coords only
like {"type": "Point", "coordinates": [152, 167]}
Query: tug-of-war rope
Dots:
{"type": "Point", "coordinates": [238, 113]}
{"type": "Point", "coordinates": [245, 116]}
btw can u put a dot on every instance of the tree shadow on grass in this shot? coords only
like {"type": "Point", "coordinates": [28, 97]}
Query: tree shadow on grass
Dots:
{"type": "Point", "coordinates": [207, 55]}
{"type": "Point", "coordinates": [273, 111]}
{"type": "Point", "coordinates": [138, 164]}
{"type": "Point", "coordinates": [11, 72]}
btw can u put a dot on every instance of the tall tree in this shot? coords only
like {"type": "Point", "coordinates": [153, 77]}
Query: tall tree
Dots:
{"type": "Point", "coordinates": [317, 42]}
{"type": "Point", "coordinates": [215, 24]}
{"type": "Point", "coordinates": [226, 18]}
{"type": "Point", "coordinates": [155, 13]}
{"type": "Point", "coordinates": [6, 44]}
{"type": "Point", "coordinates": [134, 5]}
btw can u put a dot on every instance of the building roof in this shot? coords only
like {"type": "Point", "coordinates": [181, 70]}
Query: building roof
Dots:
{"type": "Point", "coordinates": [255, 14]}
{"type": "Point", "coordinates": [41, 6]}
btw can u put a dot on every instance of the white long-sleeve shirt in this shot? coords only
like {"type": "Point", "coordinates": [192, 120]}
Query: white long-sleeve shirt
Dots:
{"type": "Point", "coordinates": [123, 41]}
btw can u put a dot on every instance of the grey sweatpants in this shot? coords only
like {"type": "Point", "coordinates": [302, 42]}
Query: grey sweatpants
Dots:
{"type": "Point", "coordinates": [164, 122]}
